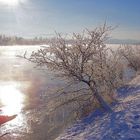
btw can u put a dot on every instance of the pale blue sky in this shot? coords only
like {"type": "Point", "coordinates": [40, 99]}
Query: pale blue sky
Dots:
{"type": "Point", "coordinates": [38, 17]}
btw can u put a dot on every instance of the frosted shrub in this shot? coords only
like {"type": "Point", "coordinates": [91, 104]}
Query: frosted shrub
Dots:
{"type": "Point", "coordinates": [132, 55]}
{"type": "Point", "coordinates": [86, 62]}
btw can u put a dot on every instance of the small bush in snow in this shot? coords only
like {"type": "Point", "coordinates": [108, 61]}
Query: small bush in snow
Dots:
{"type": "Point", "coordinates": [132, 55]}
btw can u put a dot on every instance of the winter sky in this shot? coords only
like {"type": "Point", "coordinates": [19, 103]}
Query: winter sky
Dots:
{"type": "Point", "coordinates": [43, 17]}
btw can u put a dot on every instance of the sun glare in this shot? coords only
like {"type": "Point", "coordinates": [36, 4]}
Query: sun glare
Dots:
{"type": "Point", "coordinates": [10, 2]}
{"type": "Point", "coordinates": [11, 98]}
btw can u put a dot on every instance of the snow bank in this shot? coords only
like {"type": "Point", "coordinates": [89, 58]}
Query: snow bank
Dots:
{"type": "Point", "coordinates": [124, 124]}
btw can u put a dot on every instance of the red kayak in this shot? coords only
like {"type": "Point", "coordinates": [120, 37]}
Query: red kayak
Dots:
{"type": "Point", "coordinates": [4, 119]}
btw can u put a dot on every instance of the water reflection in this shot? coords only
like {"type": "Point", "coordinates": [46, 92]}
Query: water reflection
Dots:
{"type": "Point", "coordinates": [23, 92]}
{"type": "Point", "coordinates": [11, 98]}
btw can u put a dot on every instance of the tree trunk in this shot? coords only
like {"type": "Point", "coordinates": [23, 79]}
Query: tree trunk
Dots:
{"type": "Point", "coordinates": [100, 99]}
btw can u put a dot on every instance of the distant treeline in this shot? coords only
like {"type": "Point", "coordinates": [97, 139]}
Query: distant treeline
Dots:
{"type": "Point", "coordinates": [14, 40]}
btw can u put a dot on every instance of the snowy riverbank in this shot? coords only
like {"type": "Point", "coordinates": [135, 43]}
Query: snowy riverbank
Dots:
{"type": "Point", "coordinates": [124, 124]}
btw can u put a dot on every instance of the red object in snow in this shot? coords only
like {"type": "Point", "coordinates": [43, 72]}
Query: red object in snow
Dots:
{"type": "Point", "coordinates": [4, 119]}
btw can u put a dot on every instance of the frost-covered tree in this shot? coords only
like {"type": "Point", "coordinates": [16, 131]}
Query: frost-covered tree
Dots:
{"type": "Point", "coordinates": [86, 59]}
{"type": "Point", "coordinates": [132, 55]}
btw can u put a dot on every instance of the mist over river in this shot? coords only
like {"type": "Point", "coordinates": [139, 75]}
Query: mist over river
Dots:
{"type": "Point", "coordinates": [23, 91]}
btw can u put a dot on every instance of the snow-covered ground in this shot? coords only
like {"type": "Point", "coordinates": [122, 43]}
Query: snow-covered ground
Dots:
{"type": "Point", "coordinates": [123, 124]}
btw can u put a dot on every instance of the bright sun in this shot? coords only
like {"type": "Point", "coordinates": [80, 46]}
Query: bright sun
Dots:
{"type": "Point", "coordinates": [10, 2]}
